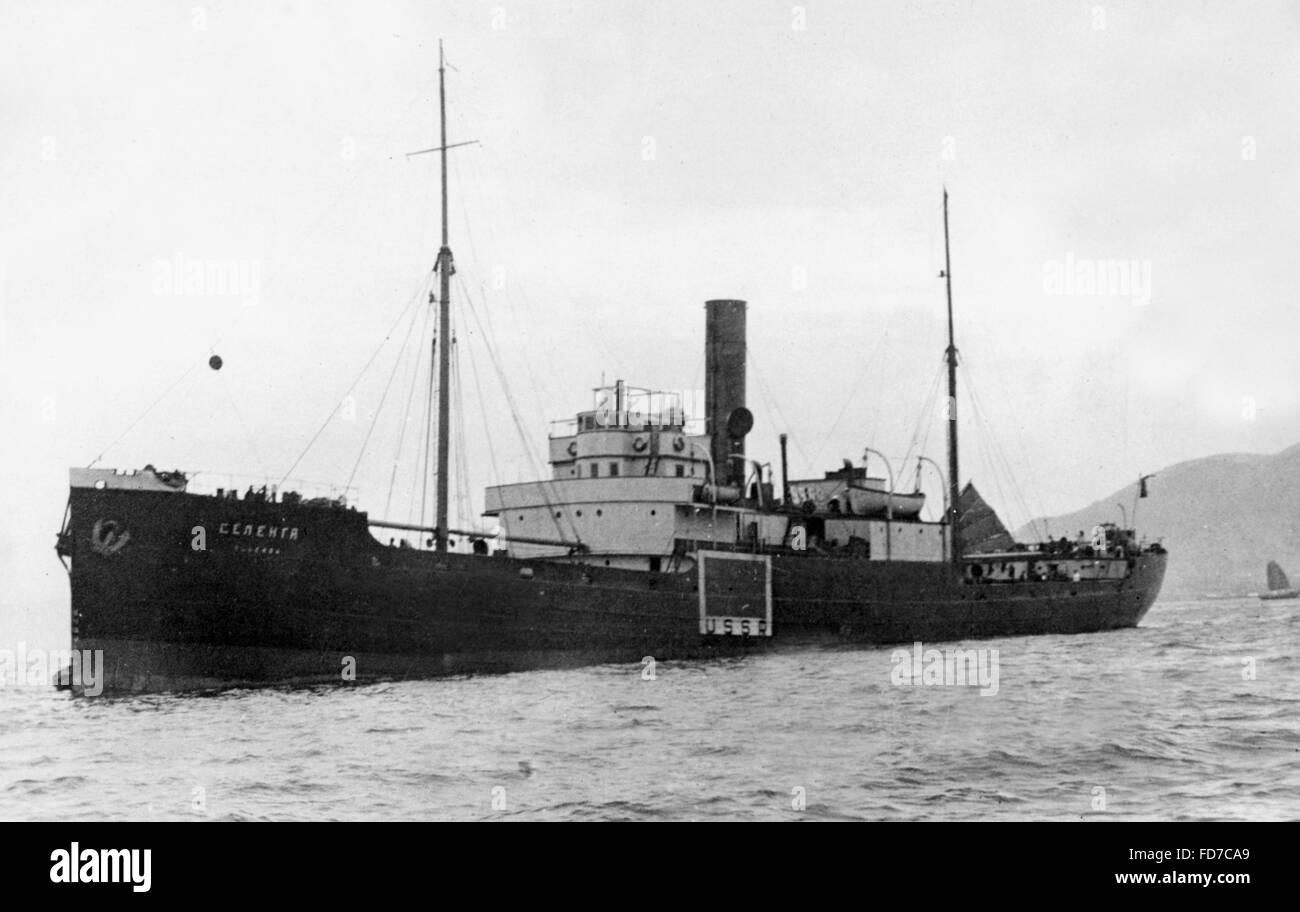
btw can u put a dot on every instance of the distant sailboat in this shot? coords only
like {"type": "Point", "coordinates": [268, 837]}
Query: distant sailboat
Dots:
{"type": "Point", "coordinates": [981, 529]}
{"type": "Point", "coordinates": [1279, 587]}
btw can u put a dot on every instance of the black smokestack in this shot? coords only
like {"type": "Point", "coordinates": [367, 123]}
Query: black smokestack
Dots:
{"type": "Point", "coordinates": [724, 387]}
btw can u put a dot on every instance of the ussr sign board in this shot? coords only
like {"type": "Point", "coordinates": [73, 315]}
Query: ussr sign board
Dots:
{"type": "Point", "coordinates": [735, 593]}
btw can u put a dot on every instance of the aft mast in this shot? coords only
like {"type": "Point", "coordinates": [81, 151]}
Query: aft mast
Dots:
{"type": "Point", "coordinates": [954, 489]}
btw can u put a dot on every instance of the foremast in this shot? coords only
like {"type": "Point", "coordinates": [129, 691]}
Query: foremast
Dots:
{"type": "Point", "coordinates": [445, 269]}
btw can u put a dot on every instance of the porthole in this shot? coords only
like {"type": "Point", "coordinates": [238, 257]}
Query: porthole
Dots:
{"type": "Point", "coordinates": [652, 512]}
{"type": "Point", "coordinates": [579, 512]}
{"type": "Point", "coordinates": [600, 512]}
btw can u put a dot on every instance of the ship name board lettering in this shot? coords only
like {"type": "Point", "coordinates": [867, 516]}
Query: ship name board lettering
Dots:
{"type": "Point", "coordinates": [251, 530]}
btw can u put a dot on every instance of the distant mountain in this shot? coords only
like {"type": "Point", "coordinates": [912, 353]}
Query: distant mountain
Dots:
{"type": "Point", "coordinates": [1222, 519]}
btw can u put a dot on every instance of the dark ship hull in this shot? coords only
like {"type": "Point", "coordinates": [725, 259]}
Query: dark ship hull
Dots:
{"type": "Point", "coordinates": [623, 552]}
{"type": "Point", "coordinates": [184, 591]}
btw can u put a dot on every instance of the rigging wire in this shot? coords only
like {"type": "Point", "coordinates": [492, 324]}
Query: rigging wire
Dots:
{"type": "Point", "coordinates": [539, 386]}
{"type": "Point", "coordinates": [338, 404]}
{"type": "Point", "coordinates": [769, 398]}
{"type": "Point", "coordinates": [999, 460]}
{"type": "Point", "coordinates": [428, 427]}
{"type": "Point", "coordinates": [1035, 490]}
{"type": "Point", "coordinates": [987, 442]}
{"type": "Point", "coordinates": [921, 433]}
{"type": "Point", "coordinates": [514, 411]}
{"type": "Point", "coordinates": [459, 438]}
{"type": "Point", "coordinates": [250, 439]}
{"type": "Point", "coordinates": [982, 448]}
{"type": "Point", "coordinates": [143, 415]}
{"type": "Point", "coordinates": [209, 349]}
{"type": "Point", "coordinates": [406, 412]}
{"type": "Point", "coordinates": [552, 513]}
{"type": "Point", "coordinates": [315, 222]}
{"type": "Point", "coordinates": [487, 432]}
{"type": "Point", "coordinates": [578, 307]}
{"type": "Point", "coordinates": [924, 446]}
{"type": "Point", "coordinates": [464, 214]}
{"type": "Point", "coordinates": [401, 351]}
{"type": "Point", "coordinates": [518, 303]}
{"type": "Point", "coordinates": [326, 211]}
{"type": "Point", "coordinates": [858, 384]}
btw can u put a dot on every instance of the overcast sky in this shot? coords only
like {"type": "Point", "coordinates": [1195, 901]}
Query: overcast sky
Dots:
{"type": "Point", "coordinates": [636, 160]}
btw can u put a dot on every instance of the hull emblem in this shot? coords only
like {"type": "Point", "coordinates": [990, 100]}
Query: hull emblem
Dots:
{"type": "Point", "coordinates": [108, 536]}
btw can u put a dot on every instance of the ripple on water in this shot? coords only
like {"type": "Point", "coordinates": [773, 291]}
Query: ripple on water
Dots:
{"type": "Point", "coordinates": [1160, 717]}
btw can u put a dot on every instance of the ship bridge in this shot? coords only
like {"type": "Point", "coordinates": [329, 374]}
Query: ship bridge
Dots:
{"type": "Point", "coordinates": [628, 476]}
{"type": "Point", "coordinates": [630, 431]}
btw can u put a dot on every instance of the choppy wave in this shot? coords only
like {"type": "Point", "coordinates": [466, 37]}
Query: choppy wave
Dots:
{"type": "Point", "coordinates": [1163, 722]}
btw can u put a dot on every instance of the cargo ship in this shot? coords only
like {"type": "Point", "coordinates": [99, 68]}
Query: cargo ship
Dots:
{"type": "Point", "coordinates": [653, 536]}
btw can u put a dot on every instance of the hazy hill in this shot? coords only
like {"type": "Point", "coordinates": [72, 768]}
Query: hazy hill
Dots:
{"type": "Point", "coordinates": [1222, 518]}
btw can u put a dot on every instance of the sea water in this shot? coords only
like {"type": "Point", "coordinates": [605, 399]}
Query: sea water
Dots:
{"type": "Point", "coordinates": [1194, 715]}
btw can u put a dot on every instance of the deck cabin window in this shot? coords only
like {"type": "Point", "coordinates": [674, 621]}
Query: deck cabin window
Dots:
{"type": "Point", "coordinates": [613, 468]}
{"type": "Point", "coordinates": [595, 469]}
{"type": "Point", "coordinates": [681, 470]}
